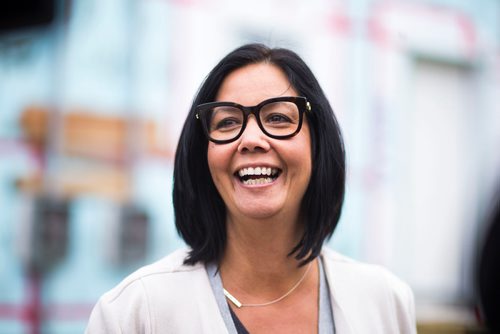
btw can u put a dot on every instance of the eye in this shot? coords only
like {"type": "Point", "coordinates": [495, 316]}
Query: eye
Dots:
{"type": "Point", "coordinates": [279, 114]}
{"type": "Point", "coordinates": [227, 124]}
{"type": "Point", "coordinates": [226, 118]}
{"type": "Point", "coordinates": [277, 118]}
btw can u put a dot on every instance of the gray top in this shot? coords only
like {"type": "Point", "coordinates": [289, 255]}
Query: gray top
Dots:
{"type": "Point", "coordinates": [326, 324]}
{"type": "Point", "coordinates": [216, 283]}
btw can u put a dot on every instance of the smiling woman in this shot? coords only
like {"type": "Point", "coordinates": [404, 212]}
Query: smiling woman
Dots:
{"type": "Point", "coordinates": [258, 187]}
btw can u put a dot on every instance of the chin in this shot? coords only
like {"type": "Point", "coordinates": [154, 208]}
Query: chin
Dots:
{"type": "Point", "coordinates": [264, 206]}
{"type": "Point", "coordinates": [260, 212]}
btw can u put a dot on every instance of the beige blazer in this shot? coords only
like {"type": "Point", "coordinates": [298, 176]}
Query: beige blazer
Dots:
{"type": "Point", "coordinates": [170, 297]}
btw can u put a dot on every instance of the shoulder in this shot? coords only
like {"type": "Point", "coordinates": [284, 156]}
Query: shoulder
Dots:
{"type": "Point", "coordinates": [166, 268]}
{"type": "Point", "coordinates": [359, 271]}
{"type": "Point", "coordinates": [135, 301]}
{"type": "Point", "coordinates": [363, 275]}
{"type": "Point", "coordinates": [372, 290]}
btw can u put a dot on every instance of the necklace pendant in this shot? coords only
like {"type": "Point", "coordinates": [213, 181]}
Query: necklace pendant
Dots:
{"type": "Point", "coordinates": [235, 301]}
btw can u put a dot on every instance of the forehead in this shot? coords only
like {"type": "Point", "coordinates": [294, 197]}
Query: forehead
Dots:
{"type": "Point", "coordinates": [251, 84]}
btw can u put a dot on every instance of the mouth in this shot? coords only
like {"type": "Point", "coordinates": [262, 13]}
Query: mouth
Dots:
{"type": "Point", "coordinates": [257, 175]}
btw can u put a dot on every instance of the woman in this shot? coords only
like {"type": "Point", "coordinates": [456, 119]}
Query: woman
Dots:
{"type": "Point", "coordinates": [258, 187]}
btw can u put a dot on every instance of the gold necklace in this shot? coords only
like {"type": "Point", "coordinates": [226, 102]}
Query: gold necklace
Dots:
{"type": "Point", "coordinates": [239, 304]}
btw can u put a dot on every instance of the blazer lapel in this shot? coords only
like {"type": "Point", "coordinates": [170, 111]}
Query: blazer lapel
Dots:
{"type": "Point", "coordinates": [337, 295]}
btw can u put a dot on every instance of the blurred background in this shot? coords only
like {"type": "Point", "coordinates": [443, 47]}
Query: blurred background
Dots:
{"type": "Point", "coordinates": [93, 95]}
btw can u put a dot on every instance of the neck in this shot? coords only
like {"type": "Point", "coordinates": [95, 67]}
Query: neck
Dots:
{"type": "Point", "coordinates": [262, 243]}
{"type": "Point", "coordinates": [256, 258]}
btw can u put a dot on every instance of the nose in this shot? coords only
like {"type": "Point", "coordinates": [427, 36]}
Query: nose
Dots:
{"type": "Point", "coordinates": [253, 139]}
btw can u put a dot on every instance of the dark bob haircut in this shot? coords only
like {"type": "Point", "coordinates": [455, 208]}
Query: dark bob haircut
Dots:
{"type": "Point", "coordinates": [200, 213]}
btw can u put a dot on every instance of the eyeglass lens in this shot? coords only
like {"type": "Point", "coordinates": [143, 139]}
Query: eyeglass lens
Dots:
{"type": "Point", "coordinates": [276, 118]}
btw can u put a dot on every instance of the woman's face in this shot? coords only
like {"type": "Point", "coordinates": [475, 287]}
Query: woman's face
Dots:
{"type": "Point", "coordinates": [267, 197]}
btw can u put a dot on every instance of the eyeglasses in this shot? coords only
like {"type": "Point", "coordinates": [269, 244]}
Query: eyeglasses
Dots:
{"type": "Point", "coordinates": [279, 118]}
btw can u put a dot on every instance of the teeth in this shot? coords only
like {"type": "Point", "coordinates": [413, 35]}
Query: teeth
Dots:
{"type": "Point", "coordinates": [258, 171]}
{"type": "Point", "coordinates": [258, 181]}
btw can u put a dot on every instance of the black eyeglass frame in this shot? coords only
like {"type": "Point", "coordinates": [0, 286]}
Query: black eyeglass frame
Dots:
{"type": "Point", "coordinates": [300, 101]}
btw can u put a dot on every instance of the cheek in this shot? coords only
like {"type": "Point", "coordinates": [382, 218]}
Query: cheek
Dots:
{"type": "Point", "coordinates": [306, 151]}
{"type": "Point", "coordinates": [305, 166]}
{"type": "Point", "coordinates": [218, 161]}
{"type": "Point", "coordinates": [212, 159]}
